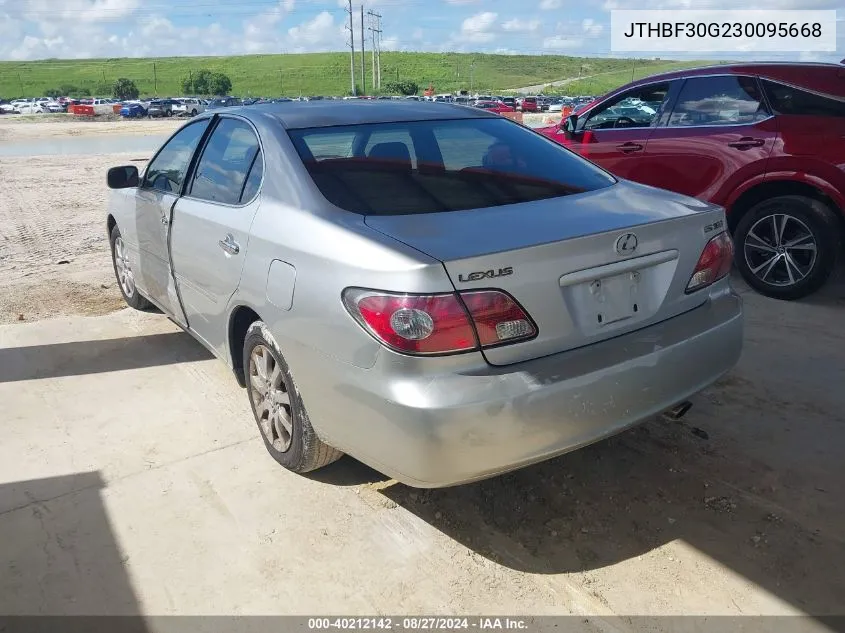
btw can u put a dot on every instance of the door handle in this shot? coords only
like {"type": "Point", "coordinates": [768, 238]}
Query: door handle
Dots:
{"type": "Point", "coordinates": [746, 142]}
{"type": "Point", "coordinates": [164, 220]}
{"type": "Point", "coordinates": [230, 245]}
{"type": "Point", "coordinates": [628, 148]}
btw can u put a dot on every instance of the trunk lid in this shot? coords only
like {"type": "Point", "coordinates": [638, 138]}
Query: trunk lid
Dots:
{"type": "Point", "coordinates": [572, 262]}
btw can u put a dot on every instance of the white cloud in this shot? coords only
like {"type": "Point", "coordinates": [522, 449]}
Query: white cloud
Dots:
{"type": "Point", "coordinates": [417, 34]}
{"type": "Point", "coordinates": [562, 42]}
{"type": "Point", "coordinates": [548, 5]}
{"type": "Point", "coordinates": [722, 4]}
{"type": "Point", "coordinates": [322, 31]}
{"type": "Point", "coordinates": [478, 28]}
{"type": "Point", "coordinates": [389, 43]}
{"type": "Point", "coordinates": [591, 28]}
{"type": "Point", "coordinates": [521, 26]}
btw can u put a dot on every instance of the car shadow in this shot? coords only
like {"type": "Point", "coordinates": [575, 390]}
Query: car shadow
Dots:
{"type": "Point", "coordinates": [78, 358]}
{"type": "Point", "coordinates": [60, 558]}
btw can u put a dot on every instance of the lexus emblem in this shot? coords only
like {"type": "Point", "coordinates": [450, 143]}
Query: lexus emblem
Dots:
{"type": "Point", "coordinates": [626, 244]}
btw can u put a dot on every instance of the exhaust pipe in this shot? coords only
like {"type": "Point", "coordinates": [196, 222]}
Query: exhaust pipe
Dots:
{"type": "Point", "coordinates": [678, 411]}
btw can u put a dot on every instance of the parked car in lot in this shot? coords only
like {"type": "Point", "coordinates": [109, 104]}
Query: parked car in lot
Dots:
{"type": "Point", "coordinates": [493, 106]}
{"type": "Point", "coordinates": [31, 107]}
{"type": "Point", "coordinates": [527, 104]}
{"type": "Point", "coordinates": [766, 141]}
{"type": "Point", "coordinates": [509, 101]}
{"type": "Point", "coordinates": [7, 108]}
{"type": "Point", "coordinates": [189, 106]}
{"type": "Point", "coordinates": [132, 111]}
{"type": "Point", "coordinates": [583, 304]}
{"type": "Point", "coordinates": [224, 102]}
{"type": "Point", "coordinates": [162, 108]}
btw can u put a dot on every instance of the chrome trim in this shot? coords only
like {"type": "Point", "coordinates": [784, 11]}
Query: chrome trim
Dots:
{"type": "Point", "coordinates": [692, 127]}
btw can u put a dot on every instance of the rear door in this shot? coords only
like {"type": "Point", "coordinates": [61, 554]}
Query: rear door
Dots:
{"type": "Point", "coordinates": [718, 135]}
{"type": "Point", "coordinates": [211, 225]}
{"type": "Point", "coordinates": [614, 134]}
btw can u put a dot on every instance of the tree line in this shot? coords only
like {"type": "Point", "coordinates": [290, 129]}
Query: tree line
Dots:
{"type": "Point", "coordinates": [203, 82]}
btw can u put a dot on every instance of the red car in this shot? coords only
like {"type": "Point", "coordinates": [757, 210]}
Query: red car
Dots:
{"type": "Point", "coordinates": [493, 106]}
{"type": "Point", "coordinates": [764, 140]}
{"type": "Point", "coordinates": [527, 104]}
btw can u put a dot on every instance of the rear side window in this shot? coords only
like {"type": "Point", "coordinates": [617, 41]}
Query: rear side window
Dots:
{"type": "Point", "coordinates": [722, 100]}
{"type": "Point", "coordinates": [225, 162]}
{"type": "Point", "coordinates": [788, 100]}
{"type": "Point", "coordinates": [436, 166]}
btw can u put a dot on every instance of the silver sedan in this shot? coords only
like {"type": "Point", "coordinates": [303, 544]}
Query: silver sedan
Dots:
{"type": "Point", "coordinates": [438, 291]}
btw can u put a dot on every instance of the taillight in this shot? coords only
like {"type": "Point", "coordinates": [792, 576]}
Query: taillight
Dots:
{"type": "Point", "coordinates": [715, 262]}
{"type": "Point", "coordinates": [439, 323]}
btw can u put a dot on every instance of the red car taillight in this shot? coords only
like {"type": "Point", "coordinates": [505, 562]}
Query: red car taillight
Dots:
{"type": "Point", "coordinates": [715, 262]}
{"type": "Point", "coordinates": [439, 323]}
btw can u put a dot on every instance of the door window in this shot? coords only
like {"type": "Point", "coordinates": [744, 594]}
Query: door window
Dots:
{"type": "Point", "coordinates": [225, 162]}
{"type": "Point", "coordinates": [167, 170]}
{"type": "Point", "coordinates": [723, 100]}
{"type": "Point", "coordinates": [789, 100]}
{"type": "Point", "coordinates": [632, 109]}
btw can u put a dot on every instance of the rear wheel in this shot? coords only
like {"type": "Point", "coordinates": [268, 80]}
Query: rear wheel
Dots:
{"type": "Point", "coordinates": [277, 406]}
{"type": "Point", "coordinates": [786, 246]}
{"type": "Point", "coordinates": [124, 274]}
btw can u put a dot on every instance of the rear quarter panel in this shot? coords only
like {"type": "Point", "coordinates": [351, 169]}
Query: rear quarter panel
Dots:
{"type": "Point", "coordinates": [329, 250]}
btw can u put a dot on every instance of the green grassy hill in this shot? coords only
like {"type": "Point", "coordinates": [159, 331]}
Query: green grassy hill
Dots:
{"type": "Point", "coordinates": [328, 73]}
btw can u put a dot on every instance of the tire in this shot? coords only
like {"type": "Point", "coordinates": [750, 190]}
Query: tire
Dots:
{"type": "Point", "coordinates": [298, 449]}
{"type": "Point", "coordinates": [814, 232]}
{"type": "Point", "coordinates": [129, 291]}
{"type": "Point", "coordinates": [194, 112]}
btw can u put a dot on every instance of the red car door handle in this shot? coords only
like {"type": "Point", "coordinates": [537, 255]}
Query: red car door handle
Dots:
{"type": "Point", "coordinates": [627, 148]}
{"type": "Point", "coordinates": [746, 142]}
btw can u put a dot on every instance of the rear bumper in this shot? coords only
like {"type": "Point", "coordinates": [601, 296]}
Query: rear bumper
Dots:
{"type": "Point", "coordinates": [467, 420]}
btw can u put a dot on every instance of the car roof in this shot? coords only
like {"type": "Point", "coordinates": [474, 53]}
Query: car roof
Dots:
{"type": "Point", "coordinates": [774, 70]}
{"type": "Point", "coordinates": [297, 115]}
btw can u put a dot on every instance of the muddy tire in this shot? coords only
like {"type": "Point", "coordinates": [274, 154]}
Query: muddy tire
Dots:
{"type": "Point", "coordinates": [277, 406]}
{"type": "Point", "coordinates": [124, 274]}
{"type": "Point", "coordinates": [786, 246]}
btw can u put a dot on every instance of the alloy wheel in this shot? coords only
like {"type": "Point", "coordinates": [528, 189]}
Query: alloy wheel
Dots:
{"type": "Point", "coordinates": [780, 250]}
{"type": "Point", "coordinates": [270, 397]}
{"type": "Point", "coordinates": [125, 276]}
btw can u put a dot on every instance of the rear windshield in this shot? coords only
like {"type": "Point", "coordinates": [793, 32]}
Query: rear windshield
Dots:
{"type": "Point", "coordinates": [434, 166]}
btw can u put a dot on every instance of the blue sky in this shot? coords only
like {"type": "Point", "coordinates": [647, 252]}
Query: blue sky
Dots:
{"type": "Point", "coordinates": [35, 29]}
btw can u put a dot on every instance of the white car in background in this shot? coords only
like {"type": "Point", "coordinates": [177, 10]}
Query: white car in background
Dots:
{"type": "Point", "coordinates": [189, 107]}
{"type": "Point", "coordinates": [31, 107]}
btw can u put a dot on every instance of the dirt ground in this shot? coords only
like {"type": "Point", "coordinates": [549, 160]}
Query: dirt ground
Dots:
{"type": "Point", "coordinates": [133, 479]}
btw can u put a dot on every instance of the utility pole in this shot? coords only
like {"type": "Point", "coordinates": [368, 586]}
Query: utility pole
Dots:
{"type": "Point", "coordinates": [363, 55]}
{"type": "Point", "coordinates": [351, 48]}
{"type": "Point", "coordinates": [155, 80]}
{"type": "Point", "coordinates": [20, 81]}
{"type": "Point", "coordinates": [471, 76]}
{"type": "Point", "coordinates": [375, 29]}
{"type": "Point", "coordinates": [372, 31]}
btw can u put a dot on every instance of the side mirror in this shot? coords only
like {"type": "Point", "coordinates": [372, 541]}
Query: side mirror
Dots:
{"type": "Point", "coordinates": [123, 177]}
{"type": "Point", "coordinates": [568, 126]}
